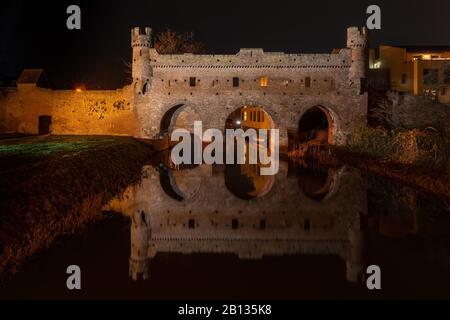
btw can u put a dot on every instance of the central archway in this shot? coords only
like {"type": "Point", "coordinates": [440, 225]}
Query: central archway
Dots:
{"type": "Point", "coordinates": [245, 180]}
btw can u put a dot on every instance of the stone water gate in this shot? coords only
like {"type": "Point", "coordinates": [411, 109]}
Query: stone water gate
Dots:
{"type": "Point", "coordinates": [171, 91]}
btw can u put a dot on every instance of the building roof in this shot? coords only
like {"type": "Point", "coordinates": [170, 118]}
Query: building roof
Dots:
{"type": "Point", "coordinates": [30, 76]}
{"type": "Point", "coordinates": [425, 48]}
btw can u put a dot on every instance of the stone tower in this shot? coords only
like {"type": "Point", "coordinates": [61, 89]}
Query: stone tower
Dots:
{"type": "Point", "coordinates": [357, 41]}
{"type": "Point", "coordinates": [141, 68]}
{"type": "Point", "coordinates": [140, 233]}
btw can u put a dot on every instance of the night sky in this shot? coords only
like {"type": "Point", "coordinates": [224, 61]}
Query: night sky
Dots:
{"type": "Point", "coordinates": [33, 34]}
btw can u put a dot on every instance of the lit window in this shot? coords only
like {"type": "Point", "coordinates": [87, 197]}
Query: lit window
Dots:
{"type": "Point", "coordinates": [245, 116]}
{"type": "Point", "coordinates": [263, 81]}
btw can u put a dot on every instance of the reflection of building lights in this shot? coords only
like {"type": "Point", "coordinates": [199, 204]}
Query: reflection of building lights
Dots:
{"type": "Point", "coordinates": [377, 65]}
{"type": "Point", "coordinates": [78, 90]}
{"type": "Point", "coordinates": [426, 57]}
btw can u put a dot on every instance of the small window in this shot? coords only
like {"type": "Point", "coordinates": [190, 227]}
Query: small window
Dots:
{"type": "Point", "coordinates": [308, 82]}
{"type": "Point", "coordinates": [192, 81]}
{"type": "Point", "coordinates": [443, 91]}
{"type": "Point", "coordinates": [403, 78]}
{"type": "Point", "coordinates": [262, 224]}
{"type": "Point", "coordinates": [259, 116]}
{"type": "Point", "coordinates": [263, 81]}
{"type": "Point", "coordinates": [430, 76]}
{"type": "Point", "coordinates": [235, 82]}
{"type": "Point", "coordinates": [245, 116]}
{"type": "Point", "coordinates": [145, 88]}
{"type": "Point", "coordinates": [191, 223]}
{"type": "Point", "coordinates": [262, 116]}
{"type": "Point", "coordinates": [307, 225]}
{"type": "Point", "coordinates": [234, 224]}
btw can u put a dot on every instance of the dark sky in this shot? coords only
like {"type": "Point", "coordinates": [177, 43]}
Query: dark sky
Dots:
{"type": "Point", "coordinates": [33, 33]}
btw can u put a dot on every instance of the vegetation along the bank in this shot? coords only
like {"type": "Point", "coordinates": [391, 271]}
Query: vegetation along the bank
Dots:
{"type": "Point", "coordinates": [54, 185]}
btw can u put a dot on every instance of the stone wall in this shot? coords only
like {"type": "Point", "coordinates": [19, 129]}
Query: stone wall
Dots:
{"type": "Point", "coordinates": [202, 87]}
{"type": "Point", "coordinates": [108, 112]}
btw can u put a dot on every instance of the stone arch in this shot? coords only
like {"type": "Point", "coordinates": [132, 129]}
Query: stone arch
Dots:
{"type": "Point", "coordinates": [310, 121]}
{"type": "Point", "coordinates": [178, 115]}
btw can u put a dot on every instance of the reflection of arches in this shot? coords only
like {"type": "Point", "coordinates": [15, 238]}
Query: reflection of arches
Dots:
{"type": "Point", "coordinates": [316, 124]}
{"type": "Point", "coordinates": [180, 185]}
{"type": "Point", "coordinates": [168, 184]}
{"type": "Point", "coordinates": [245, 182]}
{"type": "Point", "coordinates": [317, 183]}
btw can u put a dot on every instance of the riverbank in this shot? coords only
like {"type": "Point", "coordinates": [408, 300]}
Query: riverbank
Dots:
{"type": "Point", "coordinates": [54, 185]}
{"type": "Point", "coordinates": [420, 177]}
{"type": "Point", "coordinates": [431, 182]}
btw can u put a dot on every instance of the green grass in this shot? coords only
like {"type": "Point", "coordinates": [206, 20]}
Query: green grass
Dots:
{"type": "Point", "coordinates": [52, 185]}
{"type": "Point", "coordinates": [32, 150]}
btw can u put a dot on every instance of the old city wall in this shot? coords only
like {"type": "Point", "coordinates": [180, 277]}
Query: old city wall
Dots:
{"type": "Point", "coordinates": [108, 112]}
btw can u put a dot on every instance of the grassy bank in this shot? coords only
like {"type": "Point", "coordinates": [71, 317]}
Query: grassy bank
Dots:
{"type": "Point", "coordinates": [56, 185]}
{"type": "Point", "coordinates": [418, 158]}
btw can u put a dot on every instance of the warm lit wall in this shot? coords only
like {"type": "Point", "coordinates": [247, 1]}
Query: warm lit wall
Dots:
{"type": "Point", "coordinates": [402, 66]}
{"type": "Point", "coordinates": [87, 112]}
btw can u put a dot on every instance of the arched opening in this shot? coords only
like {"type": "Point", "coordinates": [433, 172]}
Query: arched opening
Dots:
{"type": "Point", "coordinates": [249, 116]}
{"type": "Point", "coordinates": [168, 120]}
{"type": "Point", "coordinates": [316, 125]}
{"type": "Point", "coordinates": [245, 180]}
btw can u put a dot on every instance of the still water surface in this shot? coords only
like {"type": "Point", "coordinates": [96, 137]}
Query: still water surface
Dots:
{"type": "Point", "coordinates": [227, 232]}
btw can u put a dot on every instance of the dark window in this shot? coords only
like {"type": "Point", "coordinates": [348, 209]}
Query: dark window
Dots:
{"type": "Point", "coordinates": [307, 82]}
{"type": "Point", "coordinates": [307, 225]}
{"type": "Point", "coordinates": [259, 116]}
{"type": "Point", "coordinates": [235, 82]}
{"type": "Point", "coordinates": [403, 78]}
{"type": "Point", "coordinates": [192, 81]}
{"type": "Point", "coordinates": [191, 223]}
{"type": "Point", "coordinates": [145, 88]}
{"type": "Point", "coordinates": [262, 224]}
{"type": "Point", "coordinates": [430, 76]}
{"type": "Point", "coordinates": [234, 223]}
{"type": "Point", "coordinates": [443, 91]}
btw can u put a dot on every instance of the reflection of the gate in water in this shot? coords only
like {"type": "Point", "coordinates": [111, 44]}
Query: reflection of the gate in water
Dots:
{"type": "Point", "coordinates": [211, 219]}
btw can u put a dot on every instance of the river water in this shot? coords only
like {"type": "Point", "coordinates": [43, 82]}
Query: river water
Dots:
{"type": "Point", "coordinates": [227, 232]}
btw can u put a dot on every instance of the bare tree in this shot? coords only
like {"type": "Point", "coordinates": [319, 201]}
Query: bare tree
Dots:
{"type": "Point", "coordinates": [171, 42]}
